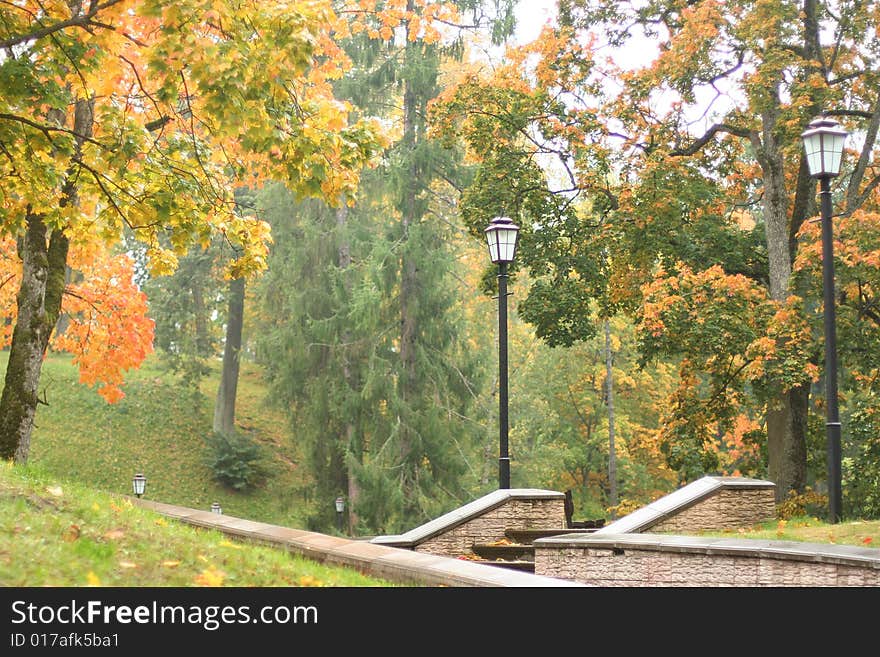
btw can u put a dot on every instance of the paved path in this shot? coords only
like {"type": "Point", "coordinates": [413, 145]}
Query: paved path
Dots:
{"type": "Point", "coordinates": [389, 563]}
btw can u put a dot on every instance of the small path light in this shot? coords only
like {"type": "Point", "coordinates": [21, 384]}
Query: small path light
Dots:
{"type": "Point", "coordinates": [215, 508]}
{"type": "Point", "coordinates": [502, 236]}
{"type": "Point", "coordinates": [139, 484]}
{"type": "Point", "coordinates": [340, 507]}
{"type": "Point", "coordinates": [823, 145]}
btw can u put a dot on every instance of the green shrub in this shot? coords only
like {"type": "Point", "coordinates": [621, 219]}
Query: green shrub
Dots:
{"type": "Point", "coordinates": [235, 460]}
{"type": "Point", "coordinates": [801, 504]}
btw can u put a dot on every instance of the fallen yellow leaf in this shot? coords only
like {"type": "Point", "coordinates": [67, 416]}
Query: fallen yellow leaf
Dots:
{"type": "Point", "coordinates": [225, 543]}
{"type": "Point", "coordinates": [171, 564]}
{"type": "Point", "coordinates": [92, 579]}
{"type": "Point", "coordinates": [95, 507]}
{"type": "Point", "coordinates": [308, 580]}
{"type": "Point", "coordinates": [161, 522]}
{"type": "Point", "coordinates": [210, 577]}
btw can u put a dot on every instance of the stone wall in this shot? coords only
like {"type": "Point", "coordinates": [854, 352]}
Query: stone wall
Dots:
{"type": "Point", "coordinates": [729, 508]}
{"type": "Point", "coordinates": [711, 564]}
{"type": "Point", "coordinates": [491, 525]}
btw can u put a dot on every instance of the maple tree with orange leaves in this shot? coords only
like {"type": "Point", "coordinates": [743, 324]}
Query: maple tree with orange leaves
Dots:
{"type": "Point", "coordinates": [672, 132]}
{"type": "Point", "coordinates": [143, 117]}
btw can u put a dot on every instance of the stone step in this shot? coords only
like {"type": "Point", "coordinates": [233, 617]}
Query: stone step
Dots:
{"type": "Point", "coordinates": [525, 566]}
{"type": "Point", "coordinates": [527, 536]}
{"type": "Point", "coordinates": [506, 552]}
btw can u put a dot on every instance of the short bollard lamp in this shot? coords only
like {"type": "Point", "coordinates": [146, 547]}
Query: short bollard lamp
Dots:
{"type": "Point", "coordinates": [823, 147]}
{"type": "Point", "coordinates": [340, 507]}
{"type": "Point", "coordinates": [215, 507]}
{"type": "Point", "coordinates": [139, 484]}
{"type": "Point", "coordinates": [502, 235]}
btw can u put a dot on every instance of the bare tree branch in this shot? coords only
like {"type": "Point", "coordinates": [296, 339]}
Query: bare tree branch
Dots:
{"type": "Point", "coordinates": [697, 144]}
{"type": "Point", "coordinates": [82, 21]}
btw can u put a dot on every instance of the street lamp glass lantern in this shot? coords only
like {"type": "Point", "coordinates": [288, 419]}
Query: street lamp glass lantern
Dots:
{"type": "Point", "coordinates": [823, 143]}
{"type": "Point", "coordinates": [340, 505]}
{"type": "Point", "coordinates": [139, 484]}
{"type": "Point", "coordinates": [501, 236]}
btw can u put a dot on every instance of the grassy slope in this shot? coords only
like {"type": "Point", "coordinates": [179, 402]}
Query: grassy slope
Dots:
{"type": "Point", "coordinates": [864, 533]}
{"type": "Point", "coordinates": [159, 429]}
{"type": "Point", "coordinates": [57, 533]}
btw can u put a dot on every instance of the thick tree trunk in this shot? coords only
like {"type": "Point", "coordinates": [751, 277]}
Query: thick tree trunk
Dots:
{"type": "Point", "coordinates": [224, 407]}
{"type": "Point", "coordinates": [44, 272]}
{"type": "Point", "coordinates": [787, 414]}
{"type": "Point", "coordinates": [39, 304]}
{"type": "Point", "coordinates": [787, 447]}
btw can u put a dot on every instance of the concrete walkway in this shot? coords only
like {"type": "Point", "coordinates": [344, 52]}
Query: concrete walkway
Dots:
{"type": "Point", "coordinates": [389, 563]}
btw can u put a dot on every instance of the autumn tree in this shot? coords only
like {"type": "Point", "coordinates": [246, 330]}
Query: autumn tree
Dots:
{"type": "Point", "coordinates": [690, 154]}
{"type": "Point", "coordinates": [146, 115]}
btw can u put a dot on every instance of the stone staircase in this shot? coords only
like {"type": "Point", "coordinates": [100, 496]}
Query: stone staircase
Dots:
{"type": "Point", "coordinates": [516, 551]}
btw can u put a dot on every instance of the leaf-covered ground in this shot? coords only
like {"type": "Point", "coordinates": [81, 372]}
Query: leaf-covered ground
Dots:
{"type": "Point", "coordinates": [58, 533]}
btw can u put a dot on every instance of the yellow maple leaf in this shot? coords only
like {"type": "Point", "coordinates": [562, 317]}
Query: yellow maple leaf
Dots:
{"type": "Point", "coordinates": [92, 579]}
{"type": "Point", "coordinates": [210, 577]}
{"type": "Point", "coordinates": [308, 580]}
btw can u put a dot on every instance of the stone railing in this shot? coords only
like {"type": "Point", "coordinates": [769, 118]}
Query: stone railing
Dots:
{"type": "Point", "coordinates": [709, 503]}
{"type": "Point", "coordinates": [483, 521]}
{"type": "Point", "coordinates": [658, 560]}
{"type": "Point", "coordinates": [402, 566]}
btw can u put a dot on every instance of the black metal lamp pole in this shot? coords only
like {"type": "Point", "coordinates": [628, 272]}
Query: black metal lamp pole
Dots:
{"type": "Point", "coordinates": [823, 142]}
{"type": "Point", "coordinates": [832, 415]}
{"type": "Point", "coordinates": [504, 456]}
{"type": "Point", "coordinates": [502, 236]}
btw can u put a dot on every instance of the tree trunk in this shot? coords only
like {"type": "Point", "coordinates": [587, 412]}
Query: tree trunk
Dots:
{"type": "Point", "coordinates": [203, 342]}
{"type": "Point", "coordinates": [344, 263]}
{"type": "Point", "coordinates": [224, 407]}
{"type": "Point", "coordinates": [39, 305]}
{"type": "Point", "coordinates": [408, 285]}
{"type": "Point", "coordinates": [44, 271]}
{"type": "Point", "coordinates": [612, 457]}
{"type": "Point", "coordinates": [787, 414]}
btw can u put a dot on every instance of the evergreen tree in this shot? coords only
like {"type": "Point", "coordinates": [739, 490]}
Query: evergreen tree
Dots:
{"type": "Point", "coordinates": [360, 335]}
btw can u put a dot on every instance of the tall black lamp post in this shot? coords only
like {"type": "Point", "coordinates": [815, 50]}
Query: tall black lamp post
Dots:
{"type": "Point", "coordinates": [823, 143]}
{"type": "Point", "coordinates": [501, 235]}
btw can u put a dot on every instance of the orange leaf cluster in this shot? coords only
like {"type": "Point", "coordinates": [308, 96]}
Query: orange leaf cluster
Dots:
{"type": "Point", "coordinates": [107, 330]}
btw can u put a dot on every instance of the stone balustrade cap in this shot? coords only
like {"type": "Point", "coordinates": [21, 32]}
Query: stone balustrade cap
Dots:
{"type": "Point", "coordinates": [464, 513]}
{"type": "Point", "coordinates": [849, 555]}
{"type": "Point", "coordinates": [686, 496]}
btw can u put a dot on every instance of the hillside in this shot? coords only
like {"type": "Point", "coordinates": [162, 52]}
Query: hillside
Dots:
{"type": "Point", "coordinates": [59, 533]}
{"type": "Point", "coordinates": [160, 428]}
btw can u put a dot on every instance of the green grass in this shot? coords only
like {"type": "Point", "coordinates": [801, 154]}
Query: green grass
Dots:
{"type": "Point", "coordinates": [865, 533]}
{"type": "Point", "coordinates": [57, 533]}
{"type": "Point", "coordinates": [160, 428]}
